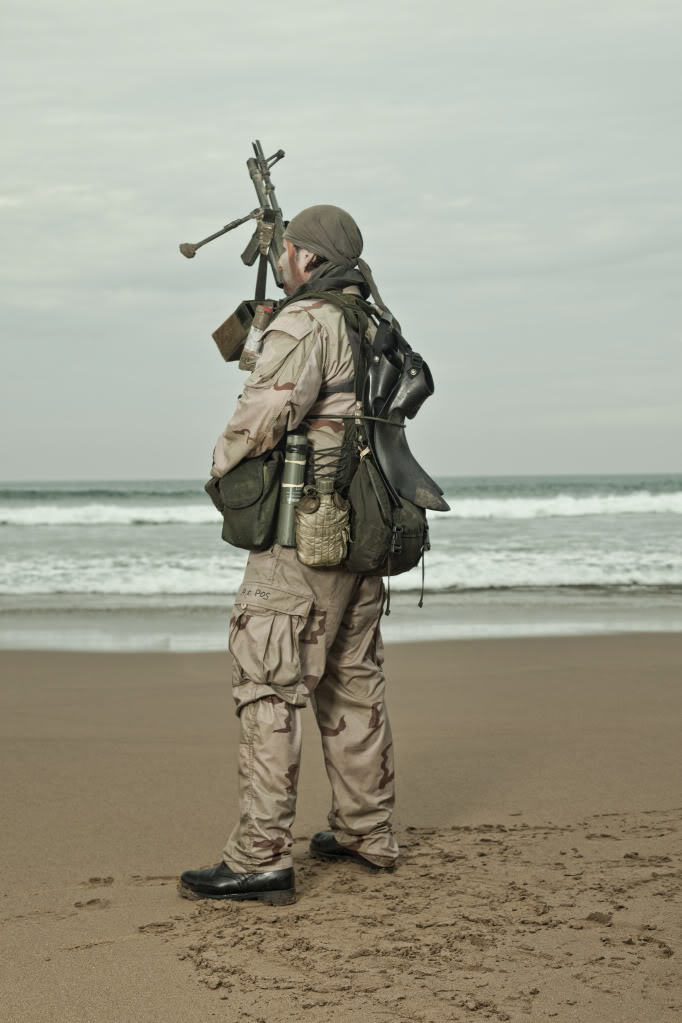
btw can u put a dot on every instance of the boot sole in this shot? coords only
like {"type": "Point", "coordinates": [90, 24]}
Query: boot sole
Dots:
{"type": "Point", "coordinates": [283, 898]}
{"type": "Point", "coordinates": [373, 868]}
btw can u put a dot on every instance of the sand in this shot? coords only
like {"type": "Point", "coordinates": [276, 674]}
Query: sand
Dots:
{"type": "Point", "coordinates": [540, 813]}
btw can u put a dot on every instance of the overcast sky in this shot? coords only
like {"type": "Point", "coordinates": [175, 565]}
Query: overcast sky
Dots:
{"type": "Point", "coordinates": [516, 170]}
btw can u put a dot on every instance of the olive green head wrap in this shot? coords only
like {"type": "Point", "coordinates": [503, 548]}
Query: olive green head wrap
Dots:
{"type": "Point", "coordinates": [330, 232]}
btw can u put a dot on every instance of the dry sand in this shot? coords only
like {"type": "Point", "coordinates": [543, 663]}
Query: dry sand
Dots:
{"type": "Point", "coordinates": [539, 818]}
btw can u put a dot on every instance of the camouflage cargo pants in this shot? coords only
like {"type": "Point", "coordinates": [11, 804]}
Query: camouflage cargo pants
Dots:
{"type": "Point", "coordinates": [300, 633]}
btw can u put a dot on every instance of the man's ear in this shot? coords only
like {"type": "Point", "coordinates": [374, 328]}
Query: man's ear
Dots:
{"type": "Point", "coordinates": [311, 259]}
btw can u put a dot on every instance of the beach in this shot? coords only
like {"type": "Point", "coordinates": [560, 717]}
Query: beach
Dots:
{"type": "Point", "coordinates": [510, 366]}
{"type": "Point", "coordinates": [539, 817]}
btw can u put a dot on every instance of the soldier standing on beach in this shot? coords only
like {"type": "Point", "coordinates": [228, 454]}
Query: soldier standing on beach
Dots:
{"type": "Point", "coordinates": [299, 633]}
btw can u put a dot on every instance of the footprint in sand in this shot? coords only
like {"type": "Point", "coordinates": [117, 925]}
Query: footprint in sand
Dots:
{"type": "Point", "coordinates": [93, 904]}
{"type": "Point", "coordinates": [160, 879]}
{"type": "Point", "coordinates": [156, 928]}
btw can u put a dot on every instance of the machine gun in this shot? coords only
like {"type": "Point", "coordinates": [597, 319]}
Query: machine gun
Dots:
{"type": "Point", "coordinates": [266, 246]}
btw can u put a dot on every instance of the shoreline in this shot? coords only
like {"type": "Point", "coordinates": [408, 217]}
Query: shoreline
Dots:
{"type": "Point", "coordinates": [194, 624]}
{"type": "Point", "coordinates": [425, 642]}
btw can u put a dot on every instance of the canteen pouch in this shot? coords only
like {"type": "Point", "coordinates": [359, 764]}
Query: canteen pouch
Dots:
{"type": "Point", "coordinates": [322, 528]}
{"type": "Point", "coordinates": [248, 499]}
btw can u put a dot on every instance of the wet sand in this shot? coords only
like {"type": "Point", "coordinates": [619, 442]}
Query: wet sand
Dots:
{"type": "Point", "coordinates": [540, 820]}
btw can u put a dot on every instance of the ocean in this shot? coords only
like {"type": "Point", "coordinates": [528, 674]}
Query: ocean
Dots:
{"type": "Point", "coordinates": [135, 565]}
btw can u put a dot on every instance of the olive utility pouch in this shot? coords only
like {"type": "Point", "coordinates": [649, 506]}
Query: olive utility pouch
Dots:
{"type": "Point", "coordinates": [384, 540]}
{"type": "Point", "coordinates": [248, 499]}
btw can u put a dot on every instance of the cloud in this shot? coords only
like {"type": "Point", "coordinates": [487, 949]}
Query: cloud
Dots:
{"type": "Point", "coordinates": [515, 172]}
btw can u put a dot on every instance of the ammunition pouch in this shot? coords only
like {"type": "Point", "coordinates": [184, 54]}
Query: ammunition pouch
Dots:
{"type": "Point", "coordinates": [248, 499]}
{"type": "Point", "coordinates": [231, 335]}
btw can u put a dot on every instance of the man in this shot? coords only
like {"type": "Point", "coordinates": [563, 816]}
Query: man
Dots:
{"type": "Point", "coordinates": [300, 634]}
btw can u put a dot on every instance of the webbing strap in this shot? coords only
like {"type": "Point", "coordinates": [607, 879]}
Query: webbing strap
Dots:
{"type": "Point", "coordinates": [363, 417]}
{"type": "Point", "coordinates": [380, 337]}
{"type": "Point", "coordinates": [345, 387]}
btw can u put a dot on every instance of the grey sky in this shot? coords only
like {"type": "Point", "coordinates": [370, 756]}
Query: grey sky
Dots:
{"type": "Point", "coordinates": [516, 170]}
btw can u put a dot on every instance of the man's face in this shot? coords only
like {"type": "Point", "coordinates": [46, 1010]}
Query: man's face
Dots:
{"type": "Point", "coordinates": [292, 267]}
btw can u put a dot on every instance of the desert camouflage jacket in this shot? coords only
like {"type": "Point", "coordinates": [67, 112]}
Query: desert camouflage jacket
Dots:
{"type": "Point", "coordinates": [306, 350]}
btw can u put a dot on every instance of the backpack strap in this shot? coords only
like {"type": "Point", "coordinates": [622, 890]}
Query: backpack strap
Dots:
{"type": "Point", "coordinates": [357, 314]}
{"type": "Point", "coordinates": [345, 387]}
{"type": "Point", "coordinates": [381, 336]}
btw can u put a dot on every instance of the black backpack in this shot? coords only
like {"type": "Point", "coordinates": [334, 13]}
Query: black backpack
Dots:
{"type": "Point", "coordinates": [389, 533]}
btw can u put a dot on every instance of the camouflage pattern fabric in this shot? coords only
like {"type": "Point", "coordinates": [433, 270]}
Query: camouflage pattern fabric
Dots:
{"type": "Point", "coordinates": [300, 634]}
{"type": "Point", "coordinates": [305, 350]}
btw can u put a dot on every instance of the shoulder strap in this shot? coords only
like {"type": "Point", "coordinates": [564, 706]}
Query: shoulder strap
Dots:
{"type": "Point", "coordinates": [356, 313]}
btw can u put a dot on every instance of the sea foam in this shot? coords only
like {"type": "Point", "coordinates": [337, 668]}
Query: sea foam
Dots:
{"type": "Point", "coordinates": [153, 576]}
{"type": "Point", "coordinates": [640, 502]}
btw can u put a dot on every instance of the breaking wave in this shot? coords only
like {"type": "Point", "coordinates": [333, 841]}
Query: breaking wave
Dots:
{"type": "Point", "coordinates": [149, 576]}
{"type": "Point", "coordinates": [640, 502]}
{"type": "Point", "coordinates": [109, 515]}
{"type": "Point", "coordinates": [201, 512]}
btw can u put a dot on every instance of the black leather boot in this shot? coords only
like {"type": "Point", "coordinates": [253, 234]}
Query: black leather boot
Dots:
{"type": "Point", "coordinates": [274, 887]}
{"type": "Point", "coordinates": [323, 846]}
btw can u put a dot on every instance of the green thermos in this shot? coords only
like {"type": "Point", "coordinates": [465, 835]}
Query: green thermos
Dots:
{"type": "Point", "coordinates": [291, 487]}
